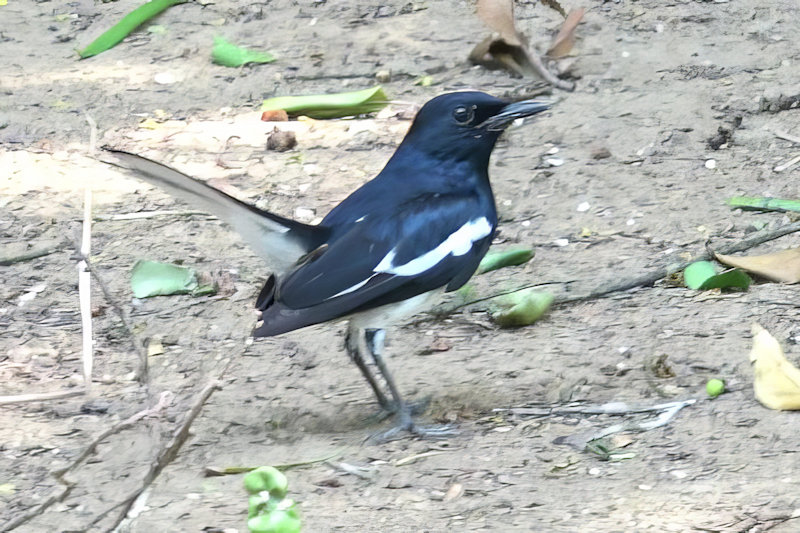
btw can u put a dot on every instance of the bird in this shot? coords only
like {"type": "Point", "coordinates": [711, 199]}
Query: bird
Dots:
{"type": "Point", "coordinates": [417, 229]}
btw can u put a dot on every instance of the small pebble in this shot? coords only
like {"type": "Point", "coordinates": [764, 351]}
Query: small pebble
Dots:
{"type": "Point", "coordinates": [583, 207]}
{"type": "Point", "coordinates": [711, 164]}
{"type": "Point", "coordinates": [281, 141]}
{"type": "Point", "coordinates": [561, 242]}
{"type": "Point", "coordinates": [165, 78]}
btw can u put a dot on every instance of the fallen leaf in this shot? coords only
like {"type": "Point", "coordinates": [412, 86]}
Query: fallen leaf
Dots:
{"type": "Point", "coordinates": [702, 275]}
{"type": "Point", "coordinates": [499, 16]}
{"type": "Point", "coordinates": [565, 39]}
{"type": "Point", "coordinates": [228, 54]}
{"type": "Point", "coordinates": [777, 381]}
{"type": "Point", "coordinates": [521, 308]}
{"type": "Point", "coordinates": [765, 203]}
{"type": "Point", "coordinates": [129, 22]}
{"type": "Point", "coordinates": [322, 106]}
{"type": "Point", "coordinates": [512, 257]}
{"type": "Point", "coordinates": [151, 278]}
{"type": "Point", "coordinates": [783, 266]}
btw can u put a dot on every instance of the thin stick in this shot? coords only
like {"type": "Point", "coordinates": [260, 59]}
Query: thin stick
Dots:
{"type": "Point", "coordinates": [789, 164]}
{"type": "Point", "coordinates": [787, 137]}
{"type": "Point", "coordinates": [166, 456]}
{"type": "Point", "coordinates": [644, 280]}
{"type": "Point", "coordinates": [648, 279]}
{"type": "Point", "coordinates": [164, 400]}
{"type": "Point", "coordinates": [33, 253]}
{"type": "Point", "coordinates": [92, 133]}
{"type": "Point", "coordinates": [141, 351]}
{"type": "Point", "coordinates": [150, 214]}
{"type": "Point", "coordinates": [85, 291]}
{"type": "Point", "coordinates": [40, 396]}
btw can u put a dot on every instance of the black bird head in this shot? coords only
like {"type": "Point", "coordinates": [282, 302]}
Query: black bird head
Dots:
{"type": "Point", "coordinates": [465, 125]}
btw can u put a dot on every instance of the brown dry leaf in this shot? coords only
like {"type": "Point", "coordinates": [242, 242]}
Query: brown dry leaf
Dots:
{"type": "Point", "coordinates": [777, 381]}
{"type": "Point", "coordinates": [783, 266]}
{"type": "Point", "coordinates": [565, 40]}
{"type": "Point", "coordinates": [499, 16]}
{"type": "Point", "coordinates": [507, 48]}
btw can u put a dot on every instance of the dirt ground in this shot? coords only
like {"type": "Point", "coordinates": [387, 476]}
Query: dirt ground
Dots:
{"type": "Point", "coordinates": [655, 81]}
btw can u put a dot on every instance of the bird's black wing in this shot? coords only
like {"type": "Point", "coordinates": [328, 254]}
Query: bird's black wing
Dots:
{"type": "Point", "coordinates": [431, 242]}
{"type": "Point", "coordinates": [277, 239]}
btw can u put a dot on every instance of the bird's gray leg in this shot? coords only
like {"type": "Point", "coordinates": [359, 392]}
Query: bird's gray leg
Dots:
{"type": "Point", "coordinates": [375, 339]}
{"type": "Point", "coordinates": [352, 343]}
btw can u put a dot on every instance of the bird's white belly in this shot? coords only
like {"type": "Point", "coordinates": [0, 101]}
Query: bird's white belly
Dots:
{"type": "Point", "coordinates": [386, 315]}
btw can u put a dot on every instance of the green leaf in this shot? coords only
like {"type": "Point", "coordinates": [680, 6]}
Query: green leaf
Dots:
{"type": "Point", "coordinates": [228, 54]}
{"type": "Point", "coordinates": [521, 308]}
{"type": "Point", "coordinates": [493, 261]}
{"type": "Point", "coordinates": [151, 278]}
{"type": "Point", "coordinates": [266, 478]}
{"type": "Point", "coordinates": [702, 275]}
{"type": "Point", "coordinates": [130, 22]}
{"type": "Point", "coordinates": [697, 273]}
{"type": "Point", "coordinates": [322, 106]}
{"type": "Point", "coordinates": [730, 279]}
{"type": "Point", "coordinates": [765, 203]}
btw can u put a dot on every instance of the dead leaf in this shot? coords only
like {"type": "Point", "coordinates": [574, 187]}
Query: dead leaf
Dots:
{"type": "Point", "coordinates": [783, 266]}
{"type": "Point", "coordinates": [565, 40]}
{"type": "Point", "coordinates": [777, 381]}
{"type": "Point", "coordinates": [507, 48]}
{"type": "Point", "coordinates": [499, 16]}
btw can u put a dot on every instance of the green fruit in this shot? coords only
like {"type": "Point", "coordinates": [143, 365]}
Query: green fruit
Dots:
{"type": "Point", "coordinates": [715, 387]}
{"type": "Point", "coordinates": [275, 522]}
{"type": "Point", "coordinates": [266, 478]}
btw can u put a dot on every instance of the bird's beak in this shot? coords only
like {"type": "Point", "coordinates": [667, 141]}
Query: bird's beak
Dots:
{"type": "Point", "coordinates": [512, 112]}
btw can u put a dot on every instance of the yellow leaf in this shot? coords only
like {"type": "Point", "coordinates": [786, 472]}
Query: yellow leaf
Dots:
{"type": "Point", "coordinates": [777, 381]}
{"type": "Point", "coordinates": [783, 266]}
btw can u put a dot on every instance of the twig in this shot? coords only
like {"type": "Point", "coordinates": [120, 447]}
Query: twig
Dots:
{"type": "Point", "coordinates": [141, 351]}
{"type": "Point", "coordinates": [358, 471]}
{"type": "Point", "coordinates": [163, 402]}
{"type": "Point", "coordinates": [213, 471]}
{"type": "Point", "coordinates": [40, 396]}
{"type": "Point", "coordinates": [59, 474]}
{"type": "Point", "coordinates": [85, 291]}
{"type": "Point", "coordinates": [33, 253]}
{"type": "Point", "coordinates": [667, 412]}
{"type": "Point", "coordinates": [92, 133]}
{"type": "Point", "coordinates": [149, 214]}
{"type": "Point", "coordinates": [787, 137]}
{"type": "Point", "coordinates": [790, 163]}
{"type": "Point", "coordinates": [648, 279]}
{"type": "Point", "coordinates": [166, 456]}
{"type": "Point", "coordinates": [612, 408]}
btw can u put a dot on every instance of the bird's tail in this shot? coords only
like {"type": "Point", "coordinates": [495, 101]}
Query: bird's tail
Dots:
{"type": "Point", "coordinates": [279, 240]}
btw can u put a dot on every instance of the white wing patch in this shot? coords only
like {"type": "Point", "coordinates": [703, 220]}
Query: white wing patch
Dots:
{"type": "Point", "coordinates": [459, 243]}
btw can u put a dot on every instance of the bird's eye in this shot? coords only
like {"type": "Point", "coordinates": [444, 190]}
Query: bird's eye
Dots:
{"type": "Point", "coordinates": [463, 115]}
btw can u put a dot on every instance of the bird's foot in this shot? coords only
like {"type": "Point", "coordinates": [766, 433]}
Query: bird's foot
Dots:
{"type": "Point", "coordinates": [406, 427]}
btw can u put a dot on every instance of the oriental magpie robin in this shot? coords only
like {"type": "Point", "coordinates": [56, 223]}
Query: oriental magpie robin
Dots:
{"type": "Point", "coordinates": [420, 227]}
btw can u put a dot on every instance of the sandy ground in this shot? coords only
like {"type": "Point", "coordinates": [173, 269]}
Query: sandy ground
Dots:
{"type": "Point", "coordinates": [655, 81]}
